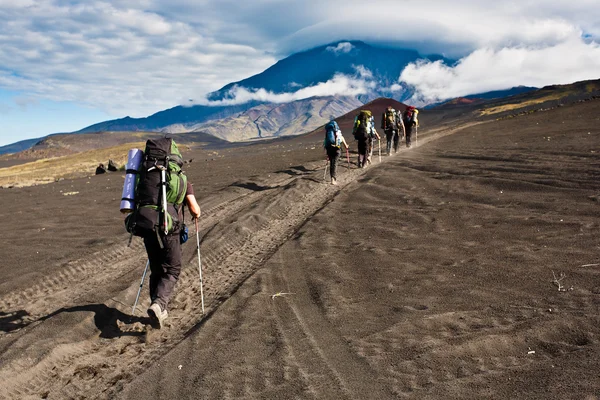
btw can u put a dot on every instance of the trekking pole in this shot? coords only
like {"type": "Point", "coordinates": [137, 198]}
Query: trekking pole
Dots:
{"type": "Point", "coordinates": [199, 263]}
{"type": "Point", "coordinates": [416, 136]}
{"type": "Point", "coordinates": [140, 289]}
{"type": "Point", "coordinates": [348, 157]}
{"type": "Point", "coordinates": [379, 150]}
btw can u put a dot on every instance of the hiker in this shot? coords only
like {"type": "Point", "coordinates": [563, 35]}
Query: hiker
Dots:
{"type": "Point", "coordinates": [333, 144]}
{"type": "Point", "coordinates": [392, 125]}
{"type": "Point", "coordinates": [371, 137]}
{"type": "Point", "coordinates": [162, 160]}
{"type": "Point", "coordinates": [411, 123]}
{"type": "Point", "coordinates": [363, 130]}
{"type": "Point", "coordinates": [165, 263]}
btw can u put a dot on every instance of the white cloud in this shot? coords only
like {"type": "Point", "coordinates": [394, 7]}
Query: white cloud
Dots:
{"type": "Point", "coordinates": [488, 69]}
{"type": "Point", "coordinates": [342, 47]}
{"type": "Point", "coordinates": [125, 61]}
{"type": "Point", "coordinates": [339, 85]}
{"type": "Point", "coordinates": [453, 29]}
{"type": "Point", "coordinates": [363, 72]}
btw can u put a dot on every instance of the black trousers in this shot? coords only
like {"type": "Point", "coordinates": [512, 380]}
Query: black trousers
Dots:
{"type": "Point", "coordinates": [165, 267]}
{"type": "Point", "coordinates": [334, 155]}
{"type": "Point", "coordinates": [409, 130]}
{"type": "Point", "coordinates": [362, 147]}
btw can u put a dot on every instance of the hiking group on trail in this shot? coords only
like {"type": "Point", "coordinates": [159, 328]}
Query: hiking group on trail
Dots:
{"type": "Point", "coordinates": [156, 191]}
{"type": "Point", "coordinates": [396, 126]}
{"type": "Point", "coordinates": [155, 207]}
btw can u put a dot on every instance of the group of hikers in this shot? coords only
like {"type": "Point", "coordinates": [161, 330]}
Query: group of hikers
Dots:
{"type": "Point", "coordinates": [395, 124]}
{"type": "Point", "coordinates": [156, 190]}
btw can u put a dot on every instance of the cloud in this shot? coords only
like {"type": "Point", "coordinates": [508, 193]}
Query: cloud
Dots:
{"type": "Point", "coordinates": [342, 47]}
{"type": "Point", "coordinates": [455, 29]}
{"type": "Point", "coordinates": [112, 57]}
{"type": "Point", "coordinates": [339, 85]}
{"type": "Point", "coordinates": [489, 69]}
{"type": "Point", "coordinates": [24, 102]}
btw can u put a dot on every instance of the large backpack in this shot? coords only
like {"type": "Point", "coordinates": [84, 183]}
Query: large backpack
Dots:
{"type": "Point", "coordinates": [410, 116]}
{"type": "Point", "coordinates": [330, 129]}
{"type": "Point", "coordinates": [388, 120]}
{"type": "Point", "coordinates": [361, 125]}
{"type": "Point", "coordinates": [161, 158]}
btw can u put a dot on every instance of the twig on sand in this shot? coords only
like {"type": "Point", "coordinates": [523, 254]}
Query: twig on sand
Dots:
{"type": "Point", "coordinates": [558, 282]}
{"type": "Point", "coordinates": [279, 294]}
{"type": "Point", "coordinates": [590, 265]}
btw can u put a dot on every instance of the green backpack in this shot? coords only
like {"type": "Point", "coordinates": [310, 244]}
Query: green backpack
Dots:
{"type": "Point", "coordinates": [161, 159]}
{"type": "Point", "coordinates": [361, 125]}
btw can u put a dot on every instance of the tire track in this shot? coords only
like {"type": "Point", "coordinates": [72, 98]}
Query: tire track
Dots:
{"type": "Point", "coordinates": [231, 263]}
{"type": "Point", "coordinates": [79, 277]}
{"type": "Point", "coordinates": [309, 335]}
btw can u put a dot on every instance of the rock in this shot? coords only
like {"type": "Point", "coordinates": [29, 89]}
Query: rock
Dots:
{"type": "Point", "coordinates": [112, 166]}
{"type": "Point", "coordinates": [100, 169]}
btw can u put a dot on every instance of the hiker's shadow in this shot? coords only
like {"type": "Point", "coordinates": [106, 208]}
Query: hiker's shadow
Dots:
{"type": "Point", "coordinates": [107, 320]}
{"type": "Point", "coordinates": [253, 186]}
{"type": "Point", "coordinates": [297, 170]}
{"type": "Point", "coordinates": [12, 321]}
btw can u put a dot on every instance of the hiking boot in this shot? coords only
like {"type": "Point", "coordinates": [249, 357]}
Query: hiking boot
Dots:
{"type": "Point", "coordinates": [157, 315]}
{"type": "Point", "coordinates": [334, 181]}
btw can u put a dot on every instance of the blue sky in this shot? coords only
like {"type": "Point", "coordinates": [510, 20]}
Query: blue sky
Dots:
{"type": "Point", "coordinates": [31, 117]}
{"type": "Point", "coordinates": [66, 64]}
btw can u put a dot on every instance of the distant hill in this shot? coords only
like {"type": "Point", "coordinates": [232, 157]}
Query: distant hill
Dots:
{"type": "Point", "coordinates": [182, 115]}
{"type": "Point", "coordinates": [496, 94]}
{"type": "Point", "coordinates": [540, 99]}
{"type": "Point", "coordinates": [482, 97]}
{"type": "Point", "coordinates": [64, 144]}
{"type": "Point", "coordinates": [18, 146]}
{"type": "Point", "coordinates": [544, 99]}
{"type": "Point", "coordinates": [276, 120]}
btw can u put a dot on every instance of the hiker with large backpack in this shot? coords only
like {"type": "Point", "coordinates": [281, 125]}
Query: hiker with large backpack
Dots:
{"type": "Point", "coordinates": [333, 145]}
{"type": "Point", "coordinates": [391, 123]}
{"type": "Point", "coordinates": [411, 123]}
{"type": "Point", "coordinates": [161, 192]}
{"type": "Point", "coordinates": [363, 130]}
